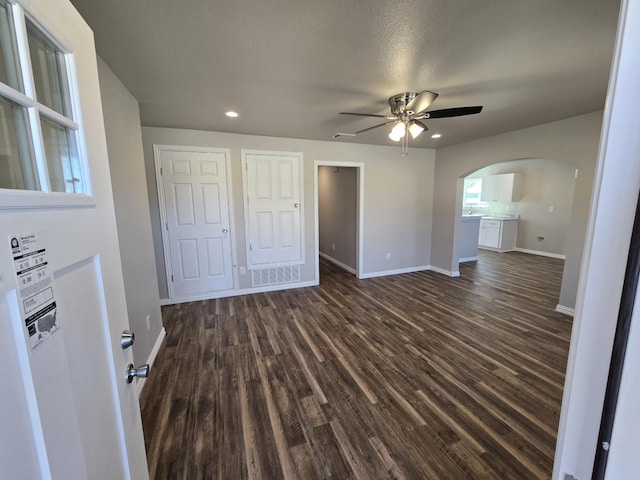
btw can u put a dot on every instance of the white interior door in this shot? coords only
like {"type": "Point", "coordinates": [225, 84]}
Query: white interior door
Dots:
{"type": "Point", "coordinates": [66, 410]}
{"type": "Point", "coordinates": [72, 414]}
{"type": "Point", "coordinates": [194, 197]}
{"type": "Point", "coordinates": [274, 233]}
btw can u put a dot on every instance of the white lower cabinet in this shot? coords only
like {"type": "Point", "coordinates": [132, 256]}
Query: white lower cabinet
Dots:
{"type": "Point", "coordinates": [498, 234]}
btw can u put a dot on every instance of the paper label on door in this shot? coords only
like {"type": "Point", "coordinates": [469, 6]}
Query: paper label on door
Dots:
{"type": "Point", "coordinates": [35, 287]}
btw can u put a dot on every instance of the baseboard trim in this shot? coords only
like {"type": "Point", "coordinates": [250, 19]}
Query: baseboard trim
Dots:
{"type": "Point", "coordinates": [235, 293]}
{"type": "Point", "coordinates": [395, 272]}
{"type": "Point", "coordinates": [442, 271]}
{"type": "Point", "coordinates": [338, 263]}
{"type": "Point", "coordinates": [542, 254]}
{"type": "Point", "coordinates": [468, 259]}
{"type": "Point", "coordinates": [566, 310]}
{"type": "Point", "coordinates": [152, 358]}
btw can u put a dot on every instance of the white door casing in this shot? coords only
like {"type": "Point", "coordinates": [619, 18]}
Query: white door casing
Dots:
{"type": "Point", "coordinates": [273, 209]}
{"type": "Point", "coordinates": [72, 415]}
{"type": "Point", "coordinates": [193, 194]}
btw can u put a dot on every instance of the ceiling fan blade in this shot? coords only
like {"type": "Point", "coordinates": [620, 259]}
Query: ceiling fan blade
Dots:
{"type": "Point", "coordinates": [422, 101]}
{"type": "Point", "coordinates": [363, 114]}
{"type": "Point", "coordinates": [453, 112]}
{"type": "Point", "coordinates": [375, 126]}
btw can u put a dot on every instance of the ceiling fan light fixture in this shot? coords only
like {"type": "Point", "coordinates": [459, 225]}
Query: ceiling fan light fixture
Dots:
{"type": "Point", "coordinates": [416, 128]}
{"type": "Point", "coordinates": [397, 132]}
{"type": "Point", "coordinates": [407, 109]}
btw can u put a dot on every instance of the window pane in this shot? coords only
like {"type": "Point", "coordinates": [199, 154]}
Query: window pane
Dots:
{"type": "Point", "coordinates": [61, 151]}
{"type": "Point", "coordinates": [472, 192]}
{"type": "Point", "coordinates": [47, 63]}
{"type": "Point", "coordinates": [9, 72]}
{"type": "Point", "coordinates": [16, 159]}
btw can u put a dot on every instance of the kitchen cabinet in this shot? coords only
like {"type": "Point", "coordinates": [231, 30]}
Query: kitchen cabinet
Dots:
{"type": "Point", "coordinates": [498, 234]}
{"type": "Point", "coordinates": [499, 188]}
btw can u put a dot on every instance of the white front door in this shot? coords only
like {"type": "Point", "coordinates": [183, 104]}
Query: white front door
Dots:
{"type": "Point", "coordinates": [272, 200]}
{"type": "Point", "coordinates": [194, 200]}
{"type": "Point", "coordinates": [66, 411]}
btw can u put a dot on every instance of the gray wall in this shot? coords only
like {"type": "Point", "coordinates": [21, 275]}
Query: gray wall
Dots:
{"type": "Point", "coordinates": [337, 213]}
{"type": "Point", "coordinates": [573, 140]}
{"type": "Point", "coordinates": [540, 184]}
{"type": "Point", "coordinates": [124, 144]}
{"type": "Point", "coordinates": [398, 194]}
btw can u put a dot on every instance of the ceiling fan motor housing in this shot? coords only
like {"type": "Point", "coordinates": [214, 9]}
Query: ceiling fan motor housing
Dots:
{"type": "Point", "coordinates": [400, 101]}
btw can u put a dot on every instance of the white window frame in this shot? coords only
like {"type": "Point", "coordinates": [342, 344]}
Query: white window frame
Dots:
{"type": "Point", "coordinates": [15, 198]}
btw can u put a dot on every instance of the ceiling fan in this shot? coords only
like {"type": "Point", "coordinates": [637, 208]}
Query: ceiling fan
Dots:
{"type": "Point", "coordinates": [407, 111]}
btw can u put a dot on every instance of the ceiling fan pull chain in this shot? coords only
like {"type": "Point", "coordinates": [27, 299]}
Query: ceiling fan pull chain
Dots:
{"type": "Point", "coordinates": [405, 143]}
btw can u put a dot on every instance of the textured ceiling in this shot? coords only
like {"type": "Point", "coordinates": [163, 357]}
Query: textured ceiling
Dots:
{"type": "Point", "coordinates": [289, 66]}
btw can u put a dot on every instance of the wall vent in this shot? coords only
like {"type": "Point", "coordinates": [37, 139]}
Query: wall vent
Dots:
{"type": "Point", "coordinates": [275, 275]}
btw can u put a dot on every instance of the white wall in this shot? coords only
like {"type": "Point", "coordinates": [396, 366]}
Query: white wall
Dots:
{"type": "Point", "coordinates": [573, 140]}
{"type": "Point", "coordinates": [124, 144]}
{"type": "Point", "coordinates": [337, 213]}
{"type": "Point", "coordinates": [540, 184]}
{"type": "Point", "coordinates": [397, 196]}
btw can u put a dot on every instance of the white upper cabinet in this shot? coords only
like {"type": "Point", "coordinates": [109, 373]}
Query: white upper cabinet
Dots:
{"type": "Point", "coordinates": [499, 188]}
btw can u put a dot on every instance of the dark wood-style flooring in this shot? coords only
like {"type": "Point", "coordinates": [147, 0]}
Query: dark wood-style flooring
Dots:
{"type": "Point", "coordinates": [414, 376]}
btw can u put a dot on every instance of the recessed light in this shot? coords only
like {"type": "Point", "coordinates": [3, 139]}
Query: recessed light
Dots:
{"type": "Point", "coordinates": [231, 114]}
{"type": "Point", "coordinates": [436, 135]}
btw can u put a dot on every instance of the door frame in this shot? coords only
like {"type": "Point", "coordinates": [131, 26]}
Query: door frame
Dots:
{"type": "Point", "coordinates": [359, 212]}
{"type": "Point", "coordinates": [162, 207]}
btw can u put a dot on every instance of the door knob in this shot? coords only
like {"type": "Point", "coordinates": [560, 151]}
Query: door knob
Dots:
{"type": "Point", "coordinates": [132, 372]}
{"type": "Point", "coordinates": [225, 230]}
{"type": "Point", "coordinates": [127, 338]}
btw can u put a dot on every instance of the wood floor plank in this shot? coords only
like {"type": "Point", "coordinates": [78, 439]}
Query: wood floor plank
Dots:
{"type": "Point", "coordinates": [414, 376]}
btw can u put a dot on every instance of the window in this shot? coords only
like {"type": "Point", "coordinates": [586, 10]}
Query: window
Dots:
{"type": "Point", "coordinates": [39, 134]}
{"type": "Point", "coordinates": [472, 192]}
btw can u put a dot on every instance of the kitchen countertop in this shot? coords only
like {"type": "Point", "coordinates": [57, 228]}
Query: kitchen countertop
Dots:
{"type": "Point", "coordinates": [497, 216]}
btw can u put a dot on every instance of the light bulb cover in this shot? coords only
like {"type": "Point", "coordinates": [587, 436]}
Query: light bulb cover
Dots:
{"type": "Point", "coordinates": [397, 132]}
{"type": "Point", "coordinates": [416, 128]}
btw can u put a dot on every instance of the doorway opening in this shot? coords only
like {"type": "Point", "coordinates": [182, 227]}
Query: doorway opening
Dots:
{"type": "Point", "coordinates": [525, 205]}
{"type": "Point", "coordinates": [338, 201]}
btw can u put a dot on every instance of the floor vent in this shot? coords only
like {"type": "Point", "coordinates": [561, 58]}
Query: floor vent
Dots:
{"type": "Point", "coordinates": [275, 275]}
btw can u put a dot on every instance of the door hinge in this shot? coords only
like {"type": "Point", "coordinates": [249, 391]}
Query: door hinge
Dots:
{"type": "Point", "coordinates": [161, 172]}
{"type": "Point", "coordinates": [166, 224]}
{"type": "Point", "coordinates": [250, 247]}
{"type": "Point", "coordinates": [172, 277]}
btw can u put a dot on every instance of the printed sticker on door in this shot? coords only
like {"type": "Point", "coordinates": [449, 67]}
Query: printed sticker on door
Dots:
{"type": "Point", "coordinates": [35, 287]}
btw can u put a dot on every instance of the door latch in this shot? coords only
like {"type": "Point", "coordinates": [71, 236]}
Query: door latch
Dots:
{"type": "Point", "coordinates": [127, 338]}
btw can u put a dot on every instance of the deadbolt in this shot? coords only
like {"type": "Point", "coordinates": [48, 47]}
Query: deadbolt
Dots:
{"type": "Point", "coordinates": [127, 338]}
{"type": "Point", "coordinates": [132, 372]}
